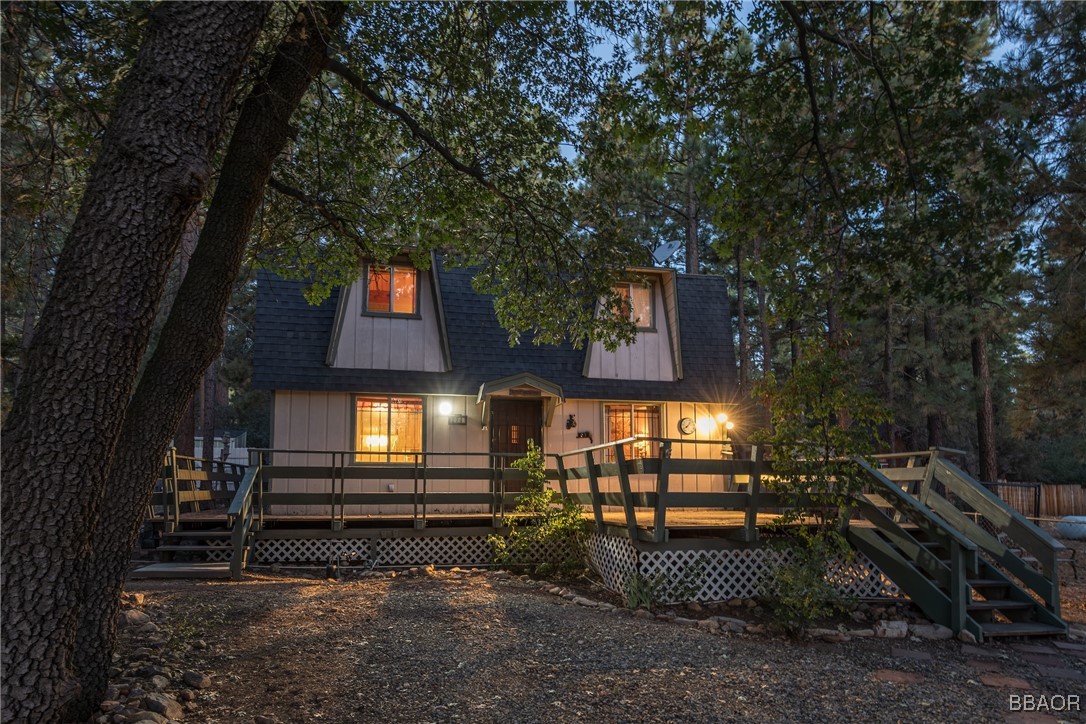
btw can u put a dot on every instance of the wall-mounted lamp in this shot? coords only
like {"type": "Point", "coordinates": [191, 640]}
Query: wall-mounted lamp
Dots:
{"type": "Point", "coordinates": [444, 408]}
{"type": "Point", "coordinates": [571, 422]}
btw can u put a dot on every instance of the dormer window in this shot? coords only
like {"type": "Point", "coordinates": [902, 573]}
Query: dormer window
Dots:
{"type": "Point", "coordinates": [392, 290]}
{"type": "Point", "coordinates": [636, 303]}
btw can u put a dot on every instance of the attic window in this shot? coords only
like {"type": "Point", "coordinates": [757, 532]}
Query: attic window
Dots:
{"type": "Point", "coordinates": [635, 303]}
{"type": "Point", "coordinates": [392, 290]}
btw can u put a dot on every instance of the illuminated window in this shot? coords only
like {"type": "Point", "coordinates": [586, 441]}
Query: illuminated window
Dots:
{"type": "Point", "coordinates": [385, 426]}
{"type": "Point", "coordinates": [630, 420]}
{"type": "Point", "coordinates": [636, 303]}
{"type": "Point", "coordinates": [392, 290]}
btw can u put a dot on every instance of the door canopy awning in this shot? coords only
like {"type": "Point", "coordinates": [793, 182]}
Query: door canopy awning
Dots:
{"type": "Point", "coordinates": [524, 386]}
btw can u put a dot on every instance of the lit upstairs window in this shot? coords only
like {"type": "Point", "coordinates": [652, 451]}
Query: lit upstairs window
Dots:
{"type": "Point", "coordinates": [392, 290]}
{"type": "Point", "coordinates": [635, 303]}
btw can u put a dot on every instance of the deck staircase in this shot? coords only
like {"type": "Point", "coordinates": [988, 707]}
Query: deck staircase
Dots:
{"type": "Point", "coordinates": [968, 560]}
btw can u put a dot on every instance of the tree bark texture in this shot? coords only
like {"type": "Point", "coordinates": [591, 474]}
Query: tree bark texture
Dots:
{"type": "Point", "coordinates": [936, 418]}
{"type": "Point", "coordinates": [763, 314]}
{"type": "Point", "coordinates": [982, 379]}
{"type": "Point", "coordinates": [153, 168]}
{"type": "Point", "coordinates": [744, 327]}
{"type": "Point", "coordinates": [193, 335]}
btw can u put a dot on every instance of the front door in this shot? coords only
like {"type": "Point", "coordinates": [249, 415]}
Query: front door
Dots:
{"type": "Point", "coordinates": [512, 424]}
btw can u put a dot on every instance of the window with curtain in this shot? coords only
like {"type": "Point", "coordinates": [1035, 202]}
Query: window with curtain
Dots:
{"type": "Point", "coordinates": [628, 420]}
{"type": "Point", "coordinates": [636, 303]}
{"type": "Point", "coordinates": [386, 428]}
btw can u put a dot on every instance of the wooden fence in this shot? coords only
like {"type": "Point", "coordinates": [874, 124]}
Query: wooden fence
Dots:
{"type": "Point", "coordinates": [1041, 500]}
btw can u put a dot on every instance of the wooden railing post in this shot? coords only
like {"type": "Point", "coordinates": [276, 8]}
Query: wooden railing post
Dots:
{"type": "Point", "coordinates": [754, 490]}
{"type": "Point", "coordinates": [594, 488]}
{"type": "Point", "coordinates": [663, 475]}
{"type": "Point", "coordinates": [560, 468]}
{"type": "Point", "coordinates": [175, 502]}
{"type": "Point", "coordinates": [959, 593]}
{"type": "Point", "coordinates": [627, 492]}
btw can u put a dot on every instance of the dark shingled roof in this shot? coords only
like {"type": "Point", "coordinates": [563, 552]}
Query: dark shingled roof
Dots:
{"type": "Point", "coordinates": [292, 340]}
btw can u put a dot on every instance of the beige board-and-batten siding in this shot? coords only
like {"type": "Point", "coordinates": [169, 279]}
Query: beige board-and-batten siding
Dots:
{"type": "Point", "coordinates": [648, 357]}
{"type": "Point", "coordinates": [376, 342]}
{"type": "Point", "coordinates": [322, 421]}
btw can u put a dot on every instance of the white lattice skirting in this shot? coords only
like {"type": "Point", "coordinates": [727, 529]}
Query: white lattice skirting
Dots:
{"type": "Point", "coordinates": [719, 575]}
{"type": "Point", "coordinates": [438, 550]}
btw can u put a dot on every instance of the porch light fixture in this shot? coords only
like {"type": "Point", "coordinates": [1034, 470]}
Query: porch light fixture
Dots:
{"type": "Point", "coordinates": [444, 408]}
{"type": "Point", "coordinates": [722, 418]}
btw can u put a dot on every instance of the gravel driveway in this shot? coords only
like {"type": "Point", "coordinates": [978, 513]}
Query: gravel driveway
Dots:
{"type": "Point", "coordinates": [476, 647]}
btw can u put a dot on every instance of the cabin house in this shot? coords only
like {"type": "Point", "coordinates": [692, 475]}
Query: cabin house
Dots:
{"type": "Point", "coordinates": [398, 404]}
{"type": "Point", "coordinates": [410, 366]}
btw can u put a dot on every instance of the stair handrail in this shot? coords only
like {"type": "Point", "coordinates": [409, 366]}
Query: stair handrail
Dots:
{"type": "Point", "coordinates": [1031, 537]}
{"type": "Point", "coordinates": [240, 516]}
{"type": "Point", "coordinates": [924, 517]}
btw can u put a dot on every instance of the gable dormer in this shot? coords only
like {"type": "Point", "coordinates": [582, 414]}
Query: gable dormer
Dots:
{"type": "Point", "coordinates": [649, 298]}
{"type": "Point", "coordinates": [390, 319]}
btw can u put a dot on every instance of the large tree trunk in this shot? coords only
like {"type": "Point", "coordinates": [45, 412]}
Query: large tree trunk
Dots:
{"type": "Point", "coordinates": [744, 327]}
{"type": "Point", "coordinates": [184, 438]}
{"type": "Point", "coordinates": [936, 418]}
{"type": "Point", "coordinates": [693, 264]}
{"type": "Point", "coordinates": [986, 445]}
{"type": "Point", "coordinates": [193, 334]}
{"type": "Point", "coordinates": [153, 168]}
{"type": "Point", "coordinates": [763, 314]}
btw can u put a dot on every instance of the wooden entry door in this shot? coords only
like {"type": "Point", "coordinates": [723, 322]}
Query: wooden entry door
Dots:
{"type": "Point", "coordinates": [513, 423]}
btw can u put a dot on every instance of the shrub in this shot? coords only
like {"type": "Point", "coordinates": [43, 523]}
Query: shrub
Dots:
{"type": "Point", "coordinates": [547, 532]}
{"type": "Point", "coordinates": [797, 593]}
{"type": "Point", "coordinates": [822, 418]}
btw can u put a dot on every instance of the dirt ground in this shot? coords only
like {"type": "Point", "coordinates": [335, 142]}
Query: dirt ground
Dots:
{"type": "Point", "coordinates": [474, 646]}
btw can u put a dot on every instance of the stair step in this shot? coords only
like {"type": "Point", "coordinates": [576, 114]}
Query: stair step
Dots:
{"type": "Point", "coordinates": [987, 583]}
{"type": "Point", "coordinates": [183, 570]}
{"type": "Point", "coordinates": [998, 605]}
{"type": "Point", "coordinates": [1021, 628]}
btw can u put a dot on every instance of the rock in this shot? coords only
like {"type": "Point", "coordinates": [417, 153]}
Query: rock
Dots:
{"type": "Point", "coordinates": [668, 617]}
{"type": "Point", "coordinates": [146, 716]}
{"type": "Point", "coordinates": [684, 621]}
{"type": "Point", "coordinates": [750, 603]}
{"type": "Point", "coordinates": [645, 614]}
{"type": "Point", "coordinates": [891, 629]}
{"type": "Point", "coordinates": [862, 633]}
{"type": "Point", "coordinates": [569, 595]}
{"type": "Point", "coordinates": [135, 692]}
{"type": "Point", "coordinates": [695, 607]}
{"type": "Point", "coordinates": [199, 644]}
{"type": "Point", "coordinates": [159, 682]}
{"type": "Point", "coordinates": [586, 602]}
{"type": "Point", "coordinates": [555, 590]}
{"type": "Point", "coordinates": [196, 680]}
{"type": "Point", "coordinates": [735, 603]}
{"type": "Point", "coordinates": [190, 706]}
{"type": "Point", "coordinates": [109, 705]}
{"type": "Point", "coordinates": [390, 574]}
{"type": "Point", "coordinates": [132, 618]}
{"type": "Point", "coordinates": [147, 629]}
{"type": "Point", "coordinates": [186, 695]}
{"type": "Point", "coordinates": [164, 705]}
{"type": "Point", "coordinates": [265, 720]}
{"type": "Point", "coordinates": [603, 606]}
{"type": "Point", "coordinates": [932, 632]}
{"type": "Point", "coordinates": [754, 628]}
{"type": "Point", "coordinates": [859, 616]}
{"type": "Point", "coordinates": [500, 574]}
{"type": "Point", "coordinates": [966, 637]}
{"type": "Point", "coordinates": [709, 625]}
{"type": "Point", "coordinates": [836, 637]}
